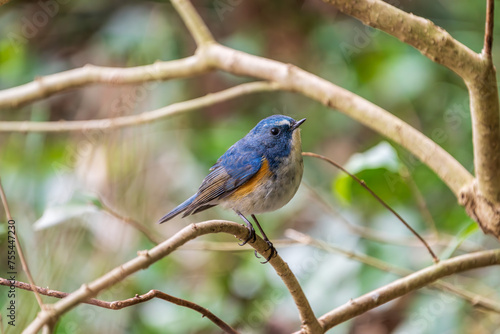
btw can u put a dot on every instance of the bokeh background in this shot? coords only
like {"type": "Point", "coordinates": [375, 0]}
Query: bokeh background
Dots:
{"type": "Point", "coordinates": [56, 183]}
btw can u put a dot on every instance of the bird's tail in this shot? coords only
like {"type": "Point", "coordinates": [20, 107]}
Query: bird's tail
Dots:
{"type": "Point", "coordinates": [181, 208]}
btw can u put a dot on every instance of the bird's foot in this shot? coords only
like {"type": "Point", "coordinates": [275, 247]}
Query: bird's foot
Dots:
{"type": "Point", "coordinates": [251, 235]}
{"type": "Point", "coordinates": [274, 252]}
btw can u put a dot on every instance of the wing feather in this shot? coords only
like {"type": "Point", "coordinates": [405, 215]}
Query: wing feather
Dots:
{"type": "Point", "coordinates": [225, 176]}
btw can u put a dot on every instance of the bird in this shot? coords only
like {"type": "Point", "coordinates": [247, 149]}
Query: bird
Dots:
{"type": "Point", "coordinates": [259, 173]}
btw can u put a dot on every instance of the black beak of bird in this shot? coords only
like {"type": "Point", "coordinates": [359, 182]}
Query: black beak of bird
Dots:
{"type": "Point", "coordinates": [298, 123]}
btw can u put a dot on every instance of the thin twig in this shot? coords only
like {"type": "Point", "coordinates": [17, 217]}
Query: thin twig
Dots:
{"type": "Point", "coordinates": [146, 117]}
{"type": "Point", "coordinates": [363, 184]}
{"type": "Point", "coordinates": [488, 31]}
{"type": "Point", "coordinates": [24, 264]}
{"type": "Point", "coordinates": [146, 258]}
{"type": "Point", "coordinates": [421, 204]}
{"type": "Point", "coordinates": [468, 296]}
{"type": "Point", "coordinates": [118, 305]}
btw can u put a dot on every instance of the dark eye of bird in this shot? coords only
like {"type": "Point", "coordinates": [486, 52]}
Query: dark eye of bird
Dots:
{"type": "Point", "coordinates": [275, 131]}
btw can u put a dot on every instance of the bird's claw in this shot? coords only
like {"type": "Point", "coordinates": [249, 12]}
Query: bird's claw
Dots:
{"type": "Point", "coordinates": [274, 252]}
{"type": "Point", "coordinates": [251, 236]}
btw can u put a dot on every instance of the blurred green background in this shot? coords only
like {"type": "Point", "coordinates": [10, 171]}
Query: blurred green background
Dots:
{"type": "Point", "coordinates": [143, 172]}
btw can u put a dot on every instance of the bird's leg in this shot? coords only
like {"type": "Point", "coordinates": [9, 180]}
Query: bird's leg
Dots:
{"type": "Point", "coordinates": [251, 231]}
{"type": "Point", "coordinates": [274, 252]}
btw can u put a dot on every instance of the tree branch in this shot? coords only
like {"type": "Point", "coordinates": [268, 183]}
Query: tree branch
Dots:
{"type": "Point", "coordinates": [193, 21]}
{"type": "Point", "coordinates": [48, 85]}
{"type": "Point", "coordinates": [146, 258]}
{"type": "Point", "coordinates": [146, 117]}
{"type": "Point", "coordinates": [118, 305]}
{"type": "Point", "coordinates": [407, 284]}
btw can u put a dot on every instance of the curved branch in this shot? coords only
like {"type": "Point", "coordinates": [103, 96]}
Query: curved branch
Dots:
{"type": "Point", "coordinates": [297, 80]}
{"type": "Point", "coordinates": [119, 304]}
{"type": "Point", "coordinates": [432, 41]}
{"type": "Point", "coordinates": [146, 258]}
{"type": "Point", "coordinates": [48, 85]}
{"type": "Point", "coordinates": [407, 284]}
{"type": "Point", "coordinates": [146, 117]}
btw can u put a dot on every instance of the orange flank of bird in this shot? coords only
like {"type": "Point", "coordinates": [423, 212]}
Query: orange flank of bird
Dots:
{"type": "Point", "coordinates": [249, 186]}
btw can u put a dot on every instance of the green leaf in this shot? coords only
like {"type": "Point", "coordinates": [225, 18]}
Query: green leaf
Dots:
{"type": "Point", "coordinates": [381, 156]}
{"type": "Point", "coordinates": [342, 188]}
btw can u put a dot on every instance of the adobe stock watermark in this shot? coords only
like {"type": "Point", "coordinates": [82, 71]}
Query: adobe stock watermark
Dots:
{"type": "Point", "coordinates": [222, 7]}
{"type": "Point", "coordinates": [126, 102]}
{"type": "Point", "coordinates": [121, 105]}
{"type": "Point", "coordinates": [453, 119]}
{"type": "Point", "coordinates": [12, 272]}
{"type": "Point", "coordinates": [91, 315]}
{"type": "Point", "coordinates": [362, 37]}
{"type": "Point", "coordinates": [421, 319]}
{"type": "Point", "coordinates": [31, 26]}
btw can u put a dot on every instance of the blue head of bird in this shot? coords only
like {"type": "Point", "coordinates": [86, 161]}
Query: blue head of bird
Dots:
{"type": "Point", "coordinates": [278, 136]}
